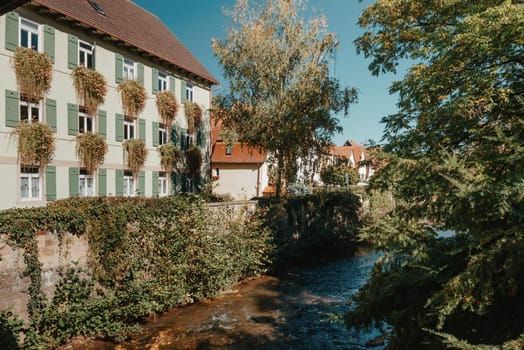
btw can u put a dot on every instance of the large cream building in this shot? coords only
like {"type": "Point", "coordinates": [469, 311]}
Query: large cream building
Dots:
{"type": "Point", "coordinates": [121, 41]}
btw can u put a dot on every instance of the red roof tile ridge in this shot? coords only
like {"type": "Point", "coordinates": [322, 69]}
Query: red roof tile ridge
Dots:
{"type": "Point", "coordinates": [184, 60]}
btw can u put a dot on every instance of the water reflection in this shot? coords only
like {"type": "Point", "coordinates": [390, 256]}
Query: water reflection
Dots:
{"type": "Point", "coordinates": [302, 310]}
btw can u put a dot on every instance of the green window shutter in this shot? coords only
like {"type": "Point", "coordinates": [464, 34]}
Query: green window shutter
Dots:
{"type": "Point", "coordinates": [50, 113]}
{"type": "Point", "coordinates": [142, 183]}
{"type": "Point", "coordinates": [154, 81]}
{"type": "Point", "coordinates": [119, 68]}
{"type": "Point", "coordinates": [11, 31]}
{"type": "Point", "coordinates": [155, 134]}
{"type": "Point", "coordinates": [119, 182]}
{"type": "Point", "coordinates": [102, 123]}
{"type": "Point", "coordinates": [94, 56]}
{"type": "Point", "coordinates": [74, 182]}
{"type": "Point", "coordinates": [72, 119]}
{"type": "Point", "coordinates": [11, 108]}
{"type": "Point", "coordinates": [172, 84]}
{"type": "Point", "coordinates": [72, 51]}
{"type": "Point", "coordinates": [173, 183]}
{"type": "Point", "coordinates": [140, 73]}
{"type": "Point", "coordinates": [182, 91]}
{"type": "Point", "coordinates": [102, 182]}
{"type": "Point", "coordinates": [155, 183]}
{"type": "Point", "coordinates": [50, 183]}
{"type": "Point", "coordinates": [183, 183]}
{"type": "Point", "coordinates": [142, 129]}
{"type": "Point", "coordinates": [174, 135]}
{"type": "Point", "coordinates": [199, 138]}
{"type": "Point", "coordinates": [119, 127]}
{"type": "Point", "coordinates": [49, 42]}
{"type": "Point", "coordinates": [183, 139]}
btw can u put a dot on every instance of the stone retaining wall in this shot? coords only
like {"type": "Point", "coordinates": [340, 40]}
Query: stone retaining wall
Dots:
{"type": "Point", "coordinates": [55, 256]}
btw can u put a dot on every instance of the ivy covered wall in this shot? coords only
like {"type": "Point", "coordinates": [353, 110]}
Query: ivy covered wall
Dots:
{"type": "Point", "coordinates": [138, 257]}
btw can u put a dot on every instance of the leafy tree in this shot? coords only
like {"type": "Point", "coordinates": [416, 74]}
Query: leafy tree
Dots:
{"type": "Point", "coordinates": [281, 96]}
{"type": "Point", "coordinates": [455, 155]}
{"type": "Point", "coordinates": [336, 175]}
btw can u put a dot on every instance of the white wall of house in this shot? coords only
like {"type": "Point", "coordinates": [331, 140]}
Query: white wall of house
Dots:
{"type": "Point", "coordinates": [240, 182]}
{"type": "Point", "coordinates": [62, 92]}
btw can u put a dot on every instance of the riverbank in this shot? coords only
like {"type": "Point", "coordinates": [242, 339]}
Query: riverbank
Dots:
{"type": "Point", "coordinates": [301, 309]}
{"type": "Point", "coordinates": [144, 256]}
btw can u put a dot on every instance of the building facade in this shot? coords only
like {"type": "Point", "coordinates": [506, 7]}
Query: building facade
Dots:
{"type": "Point", "coordinates": [238, 171]}
{"type": "Point", "coordinates": [354, 155]}
{"type": "Point", "coordinates": [121, 41]}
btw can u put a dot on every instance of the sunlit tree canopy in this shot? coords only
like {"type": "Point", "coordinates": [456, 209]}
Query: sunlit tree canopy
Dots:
{"type": "Point", "coordinates": [281, 95]}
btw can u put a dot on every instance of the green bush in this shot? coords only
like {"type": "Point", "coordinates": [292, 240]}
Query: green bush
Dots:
{"type": "Point", "coordinates": [145, 255]}
{"type": "Point", "coordinates": [319, 225]}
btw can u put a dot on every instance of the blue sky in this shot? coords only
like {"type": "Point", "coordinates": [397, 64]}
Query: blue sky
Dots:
{"type": "Point", "coordinates": [196, 22]}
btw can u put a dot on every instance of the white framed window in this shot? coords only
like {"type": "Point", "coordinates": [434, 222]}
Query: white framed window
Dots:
{"type": "Point", "coordinates": [229, 150]}
{"type": "Point", "coordinates": [162, 184]}
{"type": "Point", "coordinates": [129, 69]}
{"type": "Point", "coordinates": [162, 81]}
{"type": "Point", "coordinates": [162, 134]}
{"type": "Point", "coordinates": [86, 184]}
{"type": "Point", "coordinates": [190, 139]}
{"type": "Point", "coordinates": [129, 128]}
{"type": "Point", "coordinates": [189, 92]}
{"type": "Point", "coordinates": [30, 183]}
{"type": "Point", "coordinates": [85, 54]}
{"type": "Point", "coordinates": [129, 184]}
{"type": "Point", "coordinates": [30, 111]}
{"type": "Point", "coordinates": [29, 34]}
{"type": "Point", "coordinates": [86, 123]}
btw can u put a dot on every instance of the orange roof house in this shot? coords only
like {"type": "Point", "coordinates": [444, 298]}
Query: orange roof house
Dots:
{"type": "Point", "coordinates": [353, 154]}
{"type": "Point", "coordinates": [238, 171]}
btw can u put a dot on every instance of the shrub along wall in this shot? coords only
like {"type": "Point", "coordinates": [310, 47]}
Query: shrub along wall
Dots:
{"type": "Point", "coordinates": [315, 226]}
{"type": "Point", "coordinates": [146, 255]}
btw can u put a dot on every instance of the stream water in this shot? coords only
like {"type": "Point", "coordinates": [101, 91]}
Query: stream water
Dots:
{"type": "Point", "coordinates": [302, 309]}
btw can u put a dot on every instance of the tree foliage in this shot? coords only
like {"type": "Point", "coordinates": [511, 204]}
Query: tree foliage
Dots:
{"type": "Point", "coordinates": [336, 175]}
{"type": "Point", "coordinates": [455, 155]}
{"type": "Point", "coordinates": [281, 96]}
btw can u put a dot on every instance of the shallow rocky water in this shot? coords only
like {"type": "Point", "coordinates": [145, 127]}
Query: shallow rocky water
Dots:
{"type": "Point", "coordinates": [302, 309]}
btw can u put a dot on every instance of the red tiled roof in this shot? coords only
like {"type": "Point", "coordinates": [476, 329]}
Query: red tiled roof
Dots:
{"type": "Point", "coordinates": [342, 151]}
{"type": "Point", "coordinates": [128, 22]}
{"type": "Point", "coordinates": [240, 154]}
{"type": "Point", "coordinates": [350, 147]}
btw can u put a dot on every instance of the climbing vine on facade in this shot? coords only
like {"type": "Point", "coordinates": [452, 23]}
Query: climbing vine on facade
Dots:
{"type": "Point", "coordinates": [193, 115]}
{"type": "Point", "coordinates": [133, 97]}
{"type": "Point", "coordinates": [135, 154]}
{"type": "Point", "coordinates": [90, 87]}
{"type": "Point", "coordinates": [36, 144]}
{"type": "Point", "coordinates": [167, 107]}
{"type": "Point", "coordinates": [90, 149]}
{"type": "Point", "coordinates": [170, 156]}
{"type": "Point", "coordinates": [33, 73]}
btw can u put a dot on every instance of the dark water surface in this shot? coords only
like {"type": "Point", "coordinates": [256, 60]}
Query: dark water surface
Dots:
{"type": "Point", "coordinates": [301, 310]}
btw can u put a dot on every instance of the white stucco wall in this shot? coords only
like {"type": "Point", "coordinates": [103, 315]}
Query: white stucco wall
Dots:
{"type": "Point", "coordinates": [240, 181]}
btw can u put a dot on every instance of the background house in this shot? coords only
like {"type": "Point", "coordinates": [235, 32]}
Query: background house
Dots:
{"type": "Point", "coordinates": [237, 170]}
{"type": "Point", "coordinates": [121, 41]}
{"type": "Point", "coordinates": [354, 155]}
